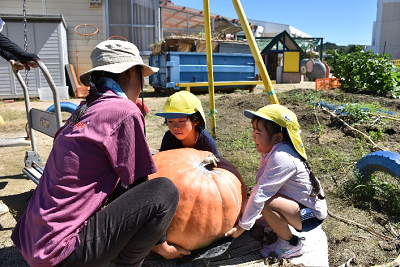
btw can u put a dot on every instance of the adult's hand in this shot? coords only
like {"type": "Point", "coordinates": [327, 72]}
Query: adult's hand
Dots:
{"type": "Point", "coordinates": [31, 64]}
{"type": "Point", "coordinates": [16, 65]}
{"type": "Point", "coordinates": [170, 251]}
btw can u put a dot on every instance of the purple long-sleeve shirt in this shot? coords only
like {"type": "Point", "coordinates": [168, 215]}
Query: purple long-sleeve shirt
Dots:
{"type": "Point", "coordinates": [83, 168]}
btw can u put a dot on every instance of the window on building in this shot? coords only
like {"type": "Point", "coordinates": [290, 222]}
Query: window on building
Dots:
{"type": "Point", "coordinates": [135, 20]}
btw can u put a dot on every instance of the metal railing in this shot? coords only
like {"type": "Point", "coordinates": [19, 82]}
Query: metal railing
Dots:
{"type": "Point", "coordinates": [396, 62]}
{"type": "Point", "coordinates": [42, 121]}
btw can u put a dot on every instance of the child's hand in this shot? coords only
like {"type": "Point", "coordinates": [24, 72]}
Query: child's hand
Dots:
{"type": "Point", "coordinates": [236, 231]}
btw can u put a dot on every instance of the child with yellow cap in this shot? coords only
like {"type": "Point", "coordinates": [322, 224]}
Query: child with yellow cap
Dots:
{"type": "Point", "coordinates": [185, 118]}
{"type": "Point", "coordinates": [287, 192]}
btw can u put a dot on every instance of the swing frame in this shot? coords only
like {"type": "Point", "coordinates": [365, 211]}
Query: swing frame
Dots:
{"type": "Point", "coordinates": [38, 120]}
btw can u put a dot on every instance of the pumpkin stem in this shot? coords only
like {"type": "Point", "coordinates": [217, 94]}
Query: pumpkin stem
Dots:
{"type": "Point", "coordinates": [210, 162]}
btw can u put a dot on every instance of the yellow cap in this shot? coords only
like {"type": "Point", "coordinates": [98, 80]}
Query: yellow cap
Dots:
{"type": "Point", "coordinates": [284, 118]}
{"type": "Point", "coordinates": [182, 104]}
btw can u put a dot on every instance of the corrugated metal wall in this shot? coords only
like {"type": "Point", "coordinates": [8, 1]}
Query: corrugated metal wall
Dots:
{"type": "Point", "coordinates": [46, 40]}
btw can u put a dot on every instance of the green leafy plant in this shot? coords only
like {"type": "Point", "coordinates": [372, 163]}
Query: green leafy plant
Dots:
{"type": "Point", "coordinates": [364, 70]}
{"type": "Point", "coordinates": [376, 135]}
{"type": "Point", "coordinates": [360, 112]}
{"type": "Point", "coordinates": [382, 191]}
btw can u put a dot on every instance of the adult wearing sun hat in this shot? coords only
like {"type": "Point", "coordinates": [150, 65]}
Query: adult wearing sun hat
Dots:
{"type": "Point", "coordinates": [287, 192]}
{"type": "Point", "coordinates": [94, 201]}
{"type": "Point", "coordinates": [186, 121]}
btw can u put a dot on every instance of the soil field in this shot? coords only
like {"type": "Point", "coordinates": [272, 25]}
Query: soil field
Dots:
{"type": "Point", "coordinates": [333, 149]}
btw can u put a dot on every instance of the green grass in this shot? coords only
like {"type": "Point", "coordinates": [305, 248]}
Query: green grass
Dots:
{"type": "Point", "coordinates": [243, 141]}
{"type": "Point", "coordinates": [301, 98]}
{"type": "Point", "coordinates": [12, 115]}
{"type": "Point", "coordinates": [381, 192]}
{"type": "Point", "coordinates": [317, 128]}
{"type": "Point", "coordinates": [240, 149]}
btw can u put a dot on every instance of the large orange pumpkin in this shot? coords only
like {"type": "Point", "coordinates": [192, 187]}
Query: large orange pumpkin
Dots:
{"type": "Point", "coordinates": [210, 200]}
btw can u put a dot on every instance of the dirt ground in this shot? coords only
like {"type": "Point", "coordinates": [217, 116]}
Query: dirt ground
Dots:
{"type": "Point", "coordinates": [347, 242]}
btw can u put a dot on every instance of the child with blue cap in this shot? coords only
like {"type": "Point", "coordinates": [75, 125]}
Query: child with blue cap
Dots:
{"type": "Point", "coordinates": [185, 118]}
{"type": "Point", "coordinates": [287, 192]}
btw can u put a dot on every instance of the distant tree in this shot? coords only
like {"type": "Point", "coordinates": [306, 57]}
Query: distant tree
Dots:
{"type": "Point", "coordinates": [350, 49]}
{"type": "Point", "coordinates": [331, 46]}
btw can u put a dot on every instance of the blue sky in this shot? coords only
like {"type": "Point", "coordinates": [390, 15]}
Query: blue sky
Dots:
{"type": "Point", "coordinates": [340, 21]}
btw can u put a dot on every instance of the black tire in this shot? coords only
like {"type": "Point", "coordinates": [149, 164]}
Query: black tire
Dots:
{"type": "Point", "coordinates": [385, 161]}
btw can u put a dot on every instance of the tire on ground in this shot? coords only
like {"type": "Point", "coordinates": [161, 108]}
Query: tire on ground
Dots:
{"type": "Point", "coordinates": [65, 106]}
{"type": "Point", "coordinates": [385, 161]}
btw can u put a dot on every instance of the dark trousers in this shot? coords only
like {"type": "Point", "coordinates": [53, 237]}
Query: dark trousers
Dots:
{"type": "Point", "coordinates": [128, 227]}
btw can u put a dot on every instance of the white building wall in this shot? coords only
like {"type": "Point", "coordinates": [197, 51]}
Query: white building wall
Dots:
{"type": "Point", "coordinates": [297, 33]}
{"type": "Point", "coordinates": [386, 33]}
{"type": "Point", "coordinates": [75, 12]}
{"type": "Point", "coordinates": [45, 37]}
{"type": "Point", "coordinates": [272, 29]}
{"type": "Point", "coordinates": [15, 7]}
{"type": "Point", "coordinates": [78, 12]}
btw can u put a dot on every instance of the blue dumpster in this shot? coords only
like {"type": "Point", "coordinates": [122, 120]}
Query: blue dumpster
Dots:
{"type": "Point", "coordinates": [191, 67]}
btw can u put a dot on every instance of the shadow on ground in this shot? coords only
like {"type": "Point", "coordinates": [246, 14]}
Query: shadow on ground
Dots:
{"type": "Point", "coordinates": [10, 256]}
{"type": "Point", "coordinates": [16, 203]}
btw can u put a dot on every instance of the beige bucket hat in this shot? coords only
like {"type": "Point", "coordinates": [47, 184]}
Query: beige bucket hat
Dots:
{"type": "Point", "coordinates": [116, 56]}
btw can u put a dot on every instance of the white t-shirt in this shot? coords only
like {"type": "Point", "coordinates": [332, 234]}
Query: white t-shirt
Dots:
{"type": "Point", "coordinates": [281, 171]}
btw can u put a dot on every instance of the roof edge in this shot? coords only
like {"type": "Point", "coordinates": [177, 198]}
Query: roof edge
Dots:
{"type": "Point", "coordinates": [277, 38]}
{"type": "Point", "coordinates": [34, 17]}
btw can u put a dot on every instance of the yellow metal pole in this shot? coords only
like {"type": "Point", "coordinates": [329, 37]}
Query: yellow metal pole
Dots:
{"type": "Point", "coordinates": [207, 26]}
{"type": "Point", "coordinates": [256, 53]}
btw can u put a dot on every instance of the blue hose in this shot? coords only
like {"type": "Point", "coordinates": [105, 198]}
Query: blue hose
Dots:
{"type": "Point", "coordinates": [65, 106]}
{"type": "Point", "coordinates": [339, 107]}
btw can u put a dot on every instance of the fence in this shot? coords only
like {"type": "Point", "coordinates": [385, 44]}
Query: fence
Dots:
{"type": "Point", "coordinates": [396, 62]}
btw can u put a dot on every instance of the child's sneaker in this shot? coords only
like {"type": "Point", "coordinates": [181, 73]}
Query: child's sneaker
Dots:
{"type": "Point", "coordinates": [283, 249]}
